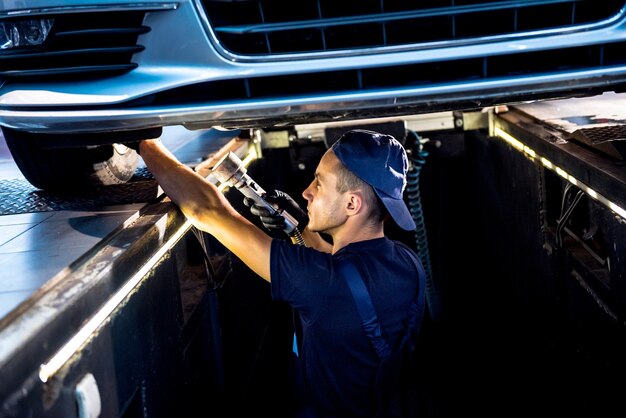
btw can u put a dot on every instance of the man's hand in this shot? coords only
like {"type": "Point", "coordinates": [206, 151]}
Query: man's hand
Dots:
{"type": "Point", "coordinates": [137, 137]}
{"type": "Point", "coordinates": [133, 145]}
{"type": "Point", "coordinates": [279, 200]}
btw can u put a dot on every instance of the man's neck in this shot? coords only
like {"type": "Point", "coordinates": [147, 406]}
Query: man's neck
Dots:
{"type": "Point", "coordinates": [348, 235]}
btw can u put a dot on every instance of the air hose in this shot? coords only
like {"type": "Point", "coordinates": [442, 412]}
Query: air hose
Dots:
{"type": "Point", "coordinates": [417, 158]}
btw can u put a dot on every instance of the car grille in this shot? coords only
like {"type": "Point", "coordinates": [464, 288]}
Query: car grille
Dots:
{"type": "Point", "coordinates": [470, 71]}
{"type": "Point", "coordinates": [267, 27]}
{"type": "Point", "coordinates": [79, 45]}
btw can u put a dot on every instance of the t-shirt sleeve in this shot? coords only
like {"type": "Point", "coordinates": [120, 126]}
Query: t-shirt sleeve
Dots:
{"type": "Point", "coordinates": [298, 274]}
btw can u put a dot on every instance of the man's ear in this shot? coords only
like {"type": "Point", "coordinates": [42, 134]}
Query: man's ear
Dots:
{"type": "Point", "coordinates": [354, 204]}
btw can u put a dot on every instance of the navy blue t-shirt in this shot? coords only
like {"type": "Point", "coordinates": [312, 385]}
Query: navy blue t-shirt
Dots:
{"type": "Point", "coordinates": [336, 359]}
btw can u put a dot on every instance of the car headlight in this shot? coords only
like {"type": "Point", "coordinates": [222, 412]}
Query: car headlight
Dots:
{"type": "Point", "coordinates": [23, 33]}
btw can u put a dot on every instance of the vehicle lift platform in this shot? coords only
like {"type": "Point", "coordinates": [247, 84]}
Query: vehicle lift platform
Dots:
{"type": "Point", "coordinates": [111, 284]}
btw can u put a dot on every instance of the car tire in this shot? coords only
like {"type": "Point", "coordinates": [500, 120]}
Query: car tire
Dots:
{"type": "Point", "coordinates": [69, 170]}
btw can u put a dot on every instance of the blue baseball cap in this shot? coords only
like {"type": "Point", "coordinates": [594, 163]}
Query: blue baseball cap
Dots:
{"type": "Point", "coordinates": [380, 161]}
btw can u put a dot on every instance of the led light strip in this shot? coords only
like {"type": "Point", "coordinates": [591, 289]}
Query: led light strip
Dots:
{"type": "Point", "coordinates": [517, 144]}
{"type": "Point", "coordinates": [48, 369]}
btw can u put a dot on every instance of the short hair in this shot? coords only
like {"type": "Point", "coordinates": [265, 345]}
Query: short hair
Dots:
{"type": "Point", "coordinates": [347, 181]}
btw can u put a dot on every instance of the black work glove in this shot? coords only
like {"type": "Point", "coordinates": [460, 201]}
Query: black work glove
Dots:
{"type": "Point", "coordinates": [280, 200]}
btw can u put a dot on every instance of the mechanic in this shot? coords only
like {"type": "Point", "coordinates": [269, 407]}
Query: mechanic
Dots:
{"type": "Point", "coordinates": [358, 184]}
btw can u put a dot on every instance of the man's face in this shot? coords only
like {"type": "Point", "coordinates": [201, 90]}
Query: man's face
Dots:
{"type": "Point", "coordinates": [325, 203]}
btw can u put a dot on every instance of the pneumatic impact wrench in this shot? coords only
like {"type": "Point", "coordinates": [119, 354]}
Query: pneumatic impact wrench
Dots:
{"type": "Point", "coordinates": [230, 171]}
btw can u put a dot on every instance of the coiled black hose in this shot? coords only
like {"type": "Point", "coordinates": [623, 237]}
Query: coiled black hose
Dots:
{"type": "Point", "coordinates": [417, 157]}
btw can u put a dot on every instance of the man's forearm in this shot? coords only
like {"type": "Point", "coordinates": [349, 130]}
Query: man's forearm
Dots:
{"type": "Point", "coordinates": [195, 196]}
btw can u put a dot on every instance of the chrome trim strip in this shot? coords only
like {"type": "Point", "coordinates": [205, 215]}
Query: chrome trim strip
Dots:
{"type": "Point", "coordinates": [382, 17]}
{"type": "Point", "coordinates": [49, 120]}
{"type": "Point", "coordinates": [90, 8]}
{"type": "Point", "coordinates": [617, 18]}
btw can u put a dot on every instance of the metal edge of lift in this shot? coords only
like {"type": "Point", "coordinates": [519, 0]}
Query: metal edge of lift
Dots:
{"type": "Point", "coordinates": [43, 342]}
{"type": "Point", "coordinates": [568, 158]}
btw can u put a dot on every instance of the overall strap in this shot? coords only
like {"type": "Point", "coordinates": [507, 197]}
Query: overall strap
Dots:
{"type": "Point", "coordinates": [389, 371]}
{"type": "Point", "coordinates": [365, 307]}
{"type": "Point", "coordinates": [417, 308]}
{"type": "Point", "coordinates": [366, 310]}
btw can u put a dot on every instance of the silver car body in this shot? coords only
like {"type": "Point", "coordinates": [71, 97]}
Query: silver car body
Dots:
{"type": "Point", "coordinates": [182, 49]}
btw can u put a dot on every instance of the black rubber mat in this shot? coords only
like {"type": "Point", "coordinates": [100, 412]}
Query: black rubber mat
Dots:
{"type": "Point", "coordinates": [19, 196]}
{"type": "Point", "coordinates": [610, 140]}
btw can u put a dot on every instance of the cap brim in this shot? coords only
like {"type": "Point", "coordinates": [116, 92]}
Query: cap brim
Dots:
{"type": "Point", "coordinates": [398, 211]}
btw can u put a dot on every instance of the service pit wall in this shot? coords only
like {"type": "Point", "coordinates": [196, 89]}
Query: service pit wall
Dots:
{"type": "Point", "coordinates": [539, 318]}
{"type": "Point", "coordinates": [150, 356]}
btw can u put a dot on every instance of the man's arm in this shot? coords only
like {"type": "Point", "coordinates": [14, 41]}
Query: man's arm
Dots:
{"type": "Point", "coordinates": [207, 208]}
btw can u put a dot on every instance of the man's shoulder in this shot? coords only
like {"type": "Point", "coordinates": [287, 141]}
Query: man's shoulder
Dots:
{"type": "Point", "coordinates": [410, 252]}
{"type": "Point", "coordinates": [377, 247]}
{"type": "Point", "coordinates": [283, 250]}
{"type": "Point", "coordinates": [404, 246]}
